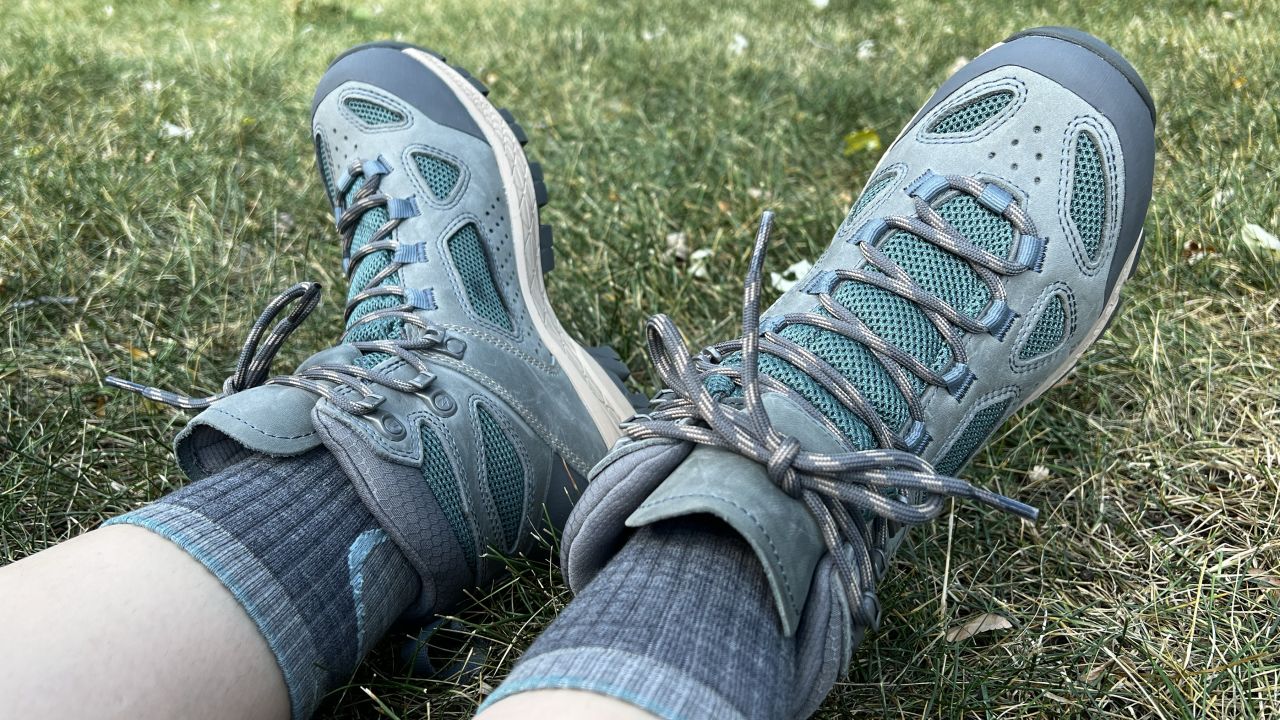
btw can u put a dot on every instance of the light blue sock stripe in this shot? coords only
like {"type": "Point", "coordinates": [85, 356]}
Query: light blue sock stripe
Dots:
{"type": "Point", "coordinates": [652, 686]}
{"type": "Point", "coordinates": [357, 556]}
{"type": "Point", "coordinates": [256, 589]}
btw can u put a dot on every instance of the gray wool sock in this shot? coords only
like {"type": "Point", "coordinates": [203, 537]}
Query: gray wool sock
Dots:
{"type": "Point", "coordinates": [299, 550]}
{"type": "Point", "coordinates": [680, 623]}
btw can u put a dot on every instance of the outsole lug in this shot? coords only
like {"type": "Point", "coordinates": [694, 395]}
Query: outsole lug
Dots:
{"type": "Point", "coordinates": [540, 192]}
{"type": "Point", "coordinates": [612, 363]}
{"type": "Point", "coordinates": [519, 132]}
{"type": "Point", "coordinates": [535, 169]}
{"type": "Point", "coordinates": [475, 83]}
{"type": "Point", "coordinates": [546, 248]}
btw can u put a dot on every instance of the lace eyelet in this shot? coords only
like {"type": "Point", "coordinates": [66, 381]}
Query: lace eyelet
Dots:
{"type": "Point", "coordinates": [393, 428]}
{"type": "Point", "coordinates": [443, 404]}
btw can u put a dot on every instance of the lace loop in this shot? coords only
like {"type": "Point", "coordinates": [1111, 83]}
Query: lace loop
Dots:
{"type": "Point", "coordinates": [253, 366]}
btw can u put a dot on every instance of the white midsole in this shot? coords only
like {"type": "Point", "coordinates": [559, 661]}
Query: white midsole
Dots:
{"type": "Point", "coordinates": [596, 389]}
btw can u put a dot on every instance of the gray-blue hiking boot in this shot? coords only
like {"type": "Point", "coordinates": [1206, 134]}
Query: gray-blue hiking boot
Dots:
{"type": "Point", "coordinates": [986, 253]}
{"type": "Point", "coordinates": [462, 411]}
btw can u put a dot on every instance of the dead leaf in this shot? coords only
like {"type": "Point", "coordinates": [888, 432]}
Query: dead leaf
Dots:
{"type": "Point", "coordinates": [1096, 674]}
{"type": "Point", "coordinates": [698, 263]}
{"type": "Point", "coordinates": [956, 65]}
{"type": "Point", "coordinates": [678, 246]}
{"type": "Point", "coordinates": [787, 279]}
{"type": "Point", "coordinates": [1194, 251]}
{"type": "Point", "coordinates": [1259, 238]}
{"type": "Point", "coordinates": [285, 223]}
{"type": "Point", "coordinates": [985, 622]}
{"type": "Point", "coordinates": [1261, 577]}
{"type": "Point", "coordinates": [865, 140]}
{"type": "Point", "coordinates": [140, 354]}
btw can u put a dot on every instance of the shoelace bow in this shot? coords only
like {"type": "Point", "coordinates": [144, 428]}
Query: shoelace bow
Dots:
{"type": "Point", "coordinates": [829, 485]}
{"type": "Point", "coordinates": [253, 367]}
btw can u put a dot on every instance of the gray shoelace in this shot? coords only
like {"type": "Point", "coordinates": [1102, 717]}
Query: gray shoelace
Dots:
{"type": "Point", "coordinates": [253, 367]}
{"type": "Point", "coordinates": [891, 486]}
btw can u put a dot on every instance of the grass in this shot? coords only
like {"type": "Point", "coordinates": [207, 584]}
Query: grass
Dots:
{"type": "Point", "coordinates": [1148, 589]}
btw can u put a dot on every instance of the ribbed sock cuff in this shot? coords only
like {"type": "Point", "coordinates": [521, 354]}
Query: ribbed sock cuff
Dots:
{"type": "Point", "coordinates": [290, 539]}
{"type": "Point", "coordinates": [669, 692]}
{"type": "Point", "coordinates": [680, 623]}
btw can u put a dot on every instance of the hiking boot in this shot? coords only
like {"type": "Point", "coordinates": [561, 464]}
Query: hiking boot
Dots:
{"type": "Point", "coordinates": [461, 410]}
{"type": "Point", "coordinates": [986, 253]}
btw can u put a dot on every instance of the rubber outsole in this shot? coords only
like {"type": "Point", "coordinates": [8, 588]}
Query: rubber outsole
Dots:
{"type": "Point", "coordinates": [1112, 58]}
{"type": "Point", "coordinates": [1099, 48]}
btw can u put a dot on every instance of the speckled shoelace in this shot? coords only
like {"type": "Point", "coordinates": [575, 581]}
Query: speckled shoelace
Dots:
{"type": "Point", "coordinates": [253, 368]}
{"type": "Point", "coordinates": [886, 487]}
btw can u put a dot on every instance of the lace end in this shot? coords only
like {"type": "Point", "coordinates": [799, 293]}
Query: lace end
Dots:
{"type": "Point", "coordinates": [184, 402]}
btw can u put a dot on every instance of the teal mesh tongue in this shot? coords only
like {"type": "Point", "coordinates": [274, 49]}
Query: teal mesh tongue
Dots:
{"type": "Point", "coordinates": [896, 320]}
{"type": "Point", "coordinates": [370, 266]}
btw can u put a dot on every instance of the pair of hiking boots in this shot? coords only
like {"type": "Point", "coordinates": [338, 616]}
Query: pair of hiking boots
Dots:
{"type": "Point", "coordinates": [986, 253]}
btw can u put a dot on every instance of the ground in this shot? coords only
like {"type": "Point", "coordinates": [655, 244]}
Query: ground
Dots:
{"type": "Point", "coordinates": [159, 188]}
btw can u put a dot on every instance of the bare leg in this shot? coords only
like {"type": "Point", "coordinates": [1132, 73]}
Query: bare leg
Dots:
{"type": "Point", "coordinates": [121, 623]}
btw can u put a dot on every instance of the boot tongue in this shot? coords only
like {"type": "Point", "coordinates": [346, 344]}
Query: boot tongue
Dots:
{"type": "Point", "coordinates": [366, 269]}
{"type": "Point", "coordinates": [781, 531]}
{"type": "Point", "coordinates": [895, 319]}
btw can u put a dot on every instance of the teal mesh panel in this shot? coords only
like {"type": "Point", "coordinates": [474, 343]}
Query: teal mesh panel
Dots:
{"type": "Point", "coordinates": [504, 474]}
{"type": "Point", "coordinates": [441, 175]}
{"type": "Point", "coordinates": [979, 225]}
{"type": "Point", "coordinates": [939, 272]}
{"type": "Point", "coordinates": [1088, 195]}
{"type": "Point", "coordinates": [896, 320]}
{"type": "Point", "coordinates": [372, 113]}
{"type": "Point", "coordinates": [789, 375]}
{"type": "Point", "coordinates": [971, 116]}
{"type": "Point", "coordinates": [974, 434]}
{"type": "Point", "coordinates": [438, 472]}
{"type": "Point", "coordinates": [871, 194]}
{"type": "Point", "coordinates": [365, 271]}
{"type": "Point", "coordinates": [472, 264]}
{"type": "Point", "coordinates": [1049, 330]}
